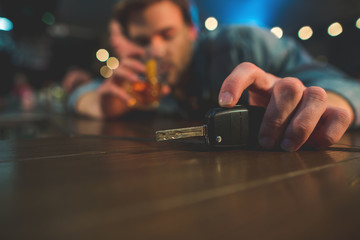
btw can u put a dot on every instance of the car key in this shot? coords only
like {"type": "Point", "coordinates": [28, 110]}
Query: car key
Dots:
{"type": "Point", "coordinates": [224, 127]}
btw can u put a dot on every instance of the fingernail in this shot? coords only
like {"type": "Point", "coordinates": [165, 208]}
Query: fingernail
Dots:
{"type": "Point", "coordinates": [225, 98]}
{"type": "Point", "coordinates": [288, 145]}
{"type": "Point", "coordinates": [266, 142]}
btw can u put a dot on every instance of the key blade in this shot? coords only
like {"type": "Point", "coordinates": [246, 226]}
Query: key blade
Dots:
{"type": "Point", "coordinates": [172, 134]}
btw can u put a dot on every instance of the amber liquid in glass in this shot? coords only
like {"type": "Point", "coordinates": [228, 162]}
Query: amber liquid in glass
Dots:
{"type": "Point", "coordinates": [146, 94]}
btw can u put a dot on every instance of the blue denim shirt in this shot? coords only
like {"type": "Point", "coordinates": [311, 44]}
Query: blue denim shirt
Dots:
{"type": "Point", "coordinates": [217, 53]}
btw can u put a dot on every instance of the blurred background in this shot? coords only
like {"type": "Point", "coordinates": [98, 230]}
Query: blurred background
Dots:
{"type": "Point", "coordinates": [41, 40]}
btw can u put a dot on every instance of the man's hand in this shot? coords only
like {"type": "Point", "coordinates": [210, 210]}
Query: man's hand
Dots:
{"type": "Point", "coordinates": [115, 100]}
{"type": "Point", "coordinates": [295, 115]}
{"type": "Point", "coordinates": [111, 99]}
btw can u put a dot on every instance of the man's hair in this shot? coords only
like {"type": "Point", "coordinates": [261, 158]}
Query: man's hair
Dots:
{"type": "Point", "coordinates": [125, 8]}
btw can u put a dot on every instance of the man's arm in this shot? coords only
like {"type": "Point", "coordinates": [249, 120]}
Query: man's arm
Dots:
{"type": "Point", "coordinates": [89, 105]}
{"type": "Point", "coordinates": [83, 100]}
{"type": "Point", "coordinates": [106, 100]}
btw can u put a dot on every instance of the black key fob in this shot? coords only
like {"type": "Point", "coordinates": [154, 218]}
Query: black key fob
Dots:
{"type": "Point", "coordinates": [233, 127]}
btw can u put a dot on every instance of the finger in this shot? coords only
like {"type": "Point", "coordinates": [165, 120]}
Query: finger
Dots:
{"type": "Point", "coordinates": [245, 75]}
{"type": "Point", "coordinates": [331, 127]}
{"type": "Point", "coordinates": [67, 83]}
{"type": "Point", "coordinates": [286, 96]}
{"type": "Point", "coordinates": [122, 74]}
{"type": "Point", "coordinates": [69, 78]}
{"type": "Point", "coordinates": [304, 121]}
{"type": "Point", "coordinates": [78, 80]}
{"type": "Point", "coordinates": [128, 70]}
{"type": "Point", "coordinates": [113, 89]}
{"type": "Point", "coordinates": [134, 65]}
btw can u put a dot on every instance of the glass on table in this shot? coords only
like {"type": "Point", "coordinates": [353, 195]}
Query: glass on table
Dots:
{"type": "Point", "coordinates": [146, 94]}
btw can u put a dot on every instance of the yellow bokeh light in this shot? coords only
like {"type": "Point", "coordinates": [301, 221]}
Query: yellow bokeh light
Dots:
{"type": "Point", "coordinates": [335, 29]}
{"type": "Point", "coordinates": [358, 23]}
{"type": "Point", "coordinates": [105, 72]}
{"type": "Point", "coordinates": [102, 55]}
{"type": "Point", "coordinates": [305, 33]}
{"type": "Point", "coordinates": [211, 23]}
{"type": "Point", "coordinates": [277, 31]}
{"type": "Point", "coordinates": [112, 63]}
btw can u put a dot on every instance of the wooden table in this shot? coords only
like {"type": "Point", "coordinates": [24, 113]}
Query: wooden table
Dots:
{"type": "Point", "coordinates": [75, 178]}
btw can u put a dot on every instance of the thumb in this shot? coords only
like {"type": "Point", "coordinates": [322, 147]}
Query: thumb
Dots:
{"type": "Point", "coordinates": [245, 76]}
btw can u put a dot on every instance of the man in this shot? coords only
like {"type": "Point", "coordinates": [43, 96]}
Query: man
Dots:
{"type": "Point", "coordinates": [237, 64]}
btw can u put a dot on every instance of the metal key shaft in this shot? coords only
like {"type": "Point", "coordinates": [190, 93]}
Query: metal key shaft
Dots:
{"type": "Point", "coordinates": [171, 134]}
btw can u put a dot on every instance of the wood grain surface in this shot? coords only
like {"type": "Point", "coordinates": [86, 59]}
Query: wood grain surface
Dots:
{"type": "Point", "coordinates": [75, 178]}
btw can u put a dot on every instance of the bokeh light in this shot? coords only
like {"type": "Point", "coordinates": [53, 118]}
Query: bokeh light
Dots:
{"type": "Point", "coordinates": [112, 63]}
{"type": "Point", "coordinates": [211, 23]}
{"type": "Point", "coordinates": [59, 30]}
{"type": "Point", "coordinates": [335, 29]}
{"type": "Point", "coordinates": [277, 31]}
{"type": "Point", "coordinates": [48, 18]}
{"type": "Point", "coordinates": [105, 72]}
{"type": "Point", "coordinates": [305, 33]}
{"type": "Point", "coordinates": [102, 55]}
{"type": "Point", "coordinates": [357, 24]}
{"type": "Point", "coordinates": [5, 24]}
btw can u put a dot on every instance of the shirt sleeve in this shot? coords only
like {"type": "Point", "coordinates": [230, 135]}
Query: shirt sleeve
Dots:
{"type": "Point", "coordinates": [79, 92]}
{"type": "Point", "coordinates": [287, 58]}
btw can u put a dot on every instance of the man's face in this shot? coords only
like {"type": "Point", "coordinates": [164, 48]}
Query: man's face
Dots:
{"type": "Point", "coordinates": [160, 28]}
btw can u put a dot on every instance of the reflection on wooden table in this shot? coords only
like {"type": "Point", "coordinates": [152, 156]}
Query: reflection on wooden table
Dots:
{"type": "Point", "coordinates": [76, 178]}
